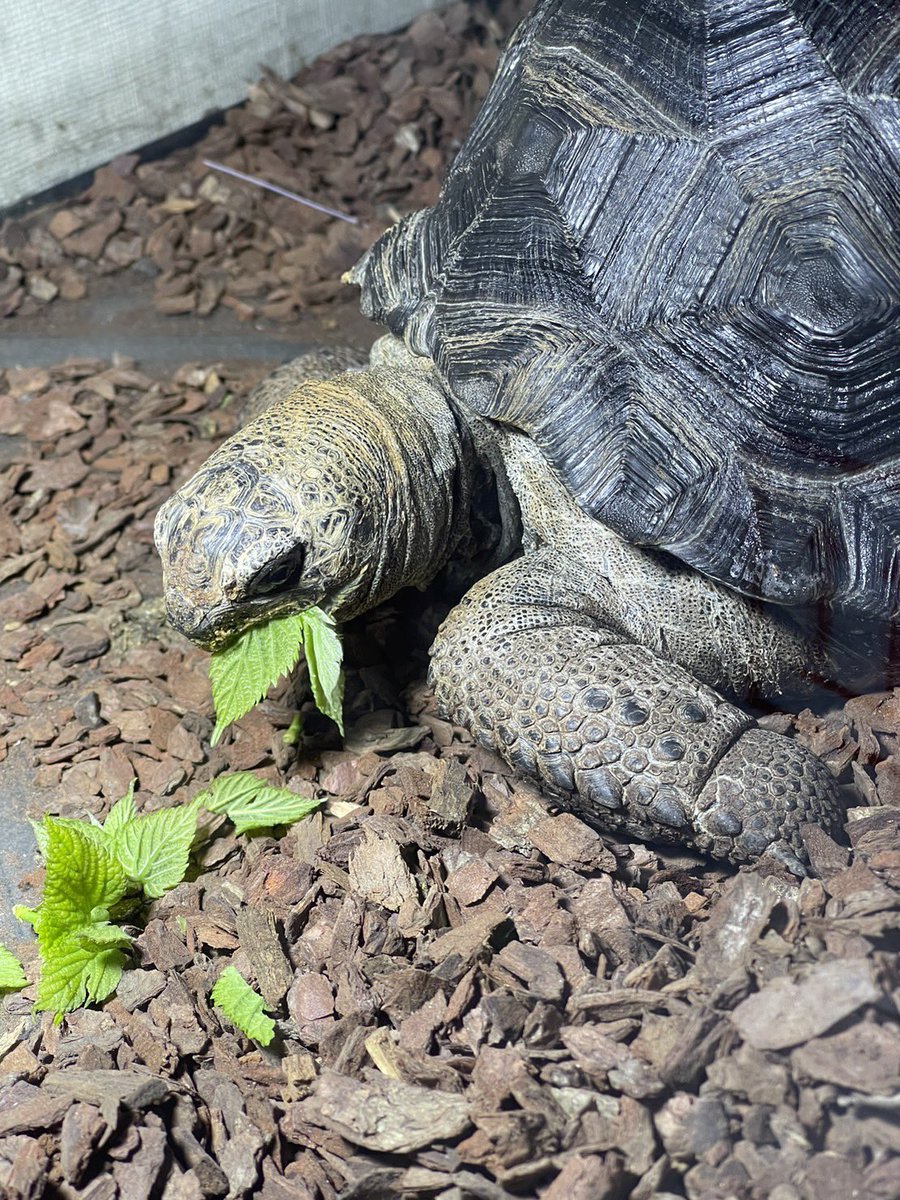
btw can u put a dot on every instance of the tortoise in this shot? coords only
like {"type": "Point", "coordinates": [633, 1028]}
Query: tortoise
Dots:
{"type": "Point", "coordinates": [651, 325]}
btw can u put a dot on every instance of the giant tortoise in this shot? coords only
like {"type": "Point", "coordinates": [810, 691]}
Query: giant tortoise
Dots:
{"type": "Point", "coordinates": [652, 323]}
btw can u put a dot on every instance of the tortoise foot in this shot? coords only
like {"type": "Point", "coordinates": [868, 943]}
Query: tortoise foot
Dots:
{"type": "Point", "coordinates": [628, 740]}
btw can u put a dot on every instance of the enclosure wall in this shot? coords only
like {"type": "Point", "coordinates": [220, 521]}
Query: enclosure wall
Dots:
{"type": "Point", "coordinates": [85, 80]}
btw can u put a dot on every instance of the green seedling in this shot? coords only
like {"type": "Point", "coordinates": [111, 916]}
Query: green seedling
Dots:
{"type": "Point", "coordinates": [294, 731]}
{"type": "Point", "coordinates": [97, 875]}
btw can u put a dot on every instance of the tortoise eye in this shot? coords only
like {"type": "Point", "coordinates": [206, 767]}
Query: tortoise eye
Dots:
{"type": "Point", "coordinates": [284, 573]}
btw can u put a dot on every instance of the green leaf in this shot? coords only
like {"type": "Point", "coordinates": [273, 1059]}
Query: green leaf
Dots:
{"type": "Point", "coordinates": [81, 956]}
{"type": "Point", "coordinates": [322, 648]}
{"type": "Point", "coordinates": [83, 878]}
{"type": "Point", "coordinates": [243, 672]}
{"type": "Point", "coordinates": [122, 813]}
{"type": "Point", "coordinates": [12, 976]}
{"type": "Point", "coordinates": [250, 803]}
{"type": "Point", "coordinates": [84, 829]}
{"type": "Point", "coordinates": [40, 836]}
{"type": "Point", "coordinates": [242, 1006]}
{"type": "Point", "coordinates": [79, 965]}
{"type": "Point", "coordinates": [30, 916]}
{"type": "Point", "coordinates": [154, 847]}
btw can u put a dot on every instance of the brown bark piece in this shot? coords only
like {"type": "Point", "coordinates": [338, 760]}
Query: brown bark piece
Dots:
{"type": "Point", "coordinates": [36, 1113]}
{"type": "Point", "coordinates": [146, 1037]}
{"type": "Point", "coordinates": [135, 1089]}
{"type": "Point", "coordinates": [418, 1029]}
{"type": "Point", "coordinates": [609, 1062]}
{"type": "Point", "coordinates": [864, 1058]}
{"type": "Point", "coordinates": [786, 1012]}
{"type": "Point", "coordinates": [469, 939]}
{"type": "Point", "coordinates": [536, 968]}
{"type": "Point", "coordinates": [447, 805]}
{"type": "Point", "coordinates": [696, 1038]}
{"type": "Point", "coordinates": [616, 1004]}
{"type": "Point", "coordinates": [81, 643]}
{"type": "Point", "coordinates": [734, 924]}
{"type": "Point", "coordinates": [89, 242]}
{"type": "Point", "coordinates": [471, 882]}
{"type": "Point", "coordinates": [138, 1176]}
{"type": "Point", "coordinates": [567, 840]}
{"type": "Point", "coordinates": [240, 1156]}
{"type": "Point", "coordinates": [207, 1177]}
{"type": "Point", "coordinates": [624, 1125]}
{"type": "Point", "coordinates": [82, 1129]}
{"type": "Point", "coordinates": [23, 1168]}
{"type": "Point", "coordinates": [825, 855]}
{"type": "Point", "coordinates": [378, 871]}
{"type": "Point", "coordinates": [586, 1177]}
{"type": "Point", "coordinates": [65, 222]}
{"type": "Point", "coordinates": [310, 998]}
{"type": "Point", "coordinates": [258, 937]}
{"type": "Point", "coordinates": [691, 1126]}
{"type": "Point", "coordinates": [385, 1116]}
{"type": "Point", "coordinates": [184, 744]}
{"type": "Point", "coordinates": [137, 987]}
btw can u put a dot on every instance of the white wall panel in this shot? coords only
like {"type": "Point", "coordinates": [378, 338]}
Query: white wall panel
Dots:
{"type": "Point", "coordinates": [84, 80]}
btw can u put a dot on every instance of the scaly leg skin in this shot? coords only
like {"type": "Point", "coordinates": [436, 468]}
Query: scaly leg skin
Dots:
{"type": "Point", "coordinates": [626, 739]}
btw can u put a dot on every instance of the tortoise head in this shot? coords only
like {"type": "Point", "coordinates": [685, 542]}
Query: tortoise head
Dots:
{"type": "Point", "coordinates": [334, 496]}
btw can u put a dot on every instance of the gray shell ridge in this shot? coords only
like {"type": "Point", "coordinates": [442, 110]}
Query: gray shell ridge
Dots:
{"type": "Point", "coordinates": [669, 250]}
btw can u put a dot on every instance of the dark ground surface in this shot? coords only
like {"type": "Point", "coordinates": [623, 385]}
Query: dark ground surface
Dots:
{"type": "Point", "coordinates": [476, 995]}
{"type": "Point", "coordinates": [117, 318]}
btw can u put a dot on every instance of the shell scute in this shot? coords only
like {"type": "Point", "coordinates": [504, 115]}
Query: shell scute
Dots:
{"type": "Point", "coordinates": [669, 251]}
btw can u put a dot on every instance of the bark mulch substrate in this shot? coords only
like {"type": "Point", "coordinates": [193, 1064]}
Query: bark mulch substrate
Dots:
{"type": "Point", "coordinates": [368, 128]}
{"type": "Point", "coordinates": [477, 996]}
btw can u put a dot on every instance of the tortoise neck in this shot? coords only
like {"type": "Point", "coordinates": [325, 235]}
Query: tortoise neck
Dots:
{"type": "Point", "coordinates": [419, 474]}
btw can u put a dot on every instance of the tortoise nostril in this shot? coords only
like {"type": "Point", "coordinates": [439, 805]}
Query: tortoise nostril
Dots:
{"type": "Point", "coordinates": [183, 616]}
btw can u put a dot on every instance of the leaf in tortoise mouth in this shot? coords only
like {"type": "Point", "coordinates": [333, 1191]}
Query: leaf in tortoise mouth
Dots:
{"type": "Point", "coordinates": [242, 673]}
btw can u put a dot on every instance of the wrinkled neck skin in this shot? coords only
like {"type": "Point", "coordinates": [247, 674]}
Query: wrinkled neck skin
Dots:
{"type": "Point", "coordinates": [337, 496]}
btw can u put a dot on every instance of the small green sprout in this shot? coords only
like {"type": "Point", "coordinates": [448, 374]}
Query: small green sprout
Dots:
{"type": "Point", "coordinates": [294, 731]}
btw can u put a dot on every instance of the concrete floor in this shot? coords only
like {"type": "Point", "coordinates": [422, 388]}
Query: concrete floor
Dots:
{"type": "Point", "coordinates": [118, 318]}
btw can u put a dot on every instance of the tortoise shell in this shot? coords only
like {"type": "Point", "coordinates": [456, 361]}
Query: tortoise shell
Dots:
{"type": "Point", "coordinates": [669, 250]}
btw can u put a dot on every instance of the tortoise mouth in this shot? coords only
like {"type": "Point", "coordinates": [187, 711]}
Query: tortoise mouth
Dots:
{"type": "Point", "coordinates": [214, 626]}
{"type": "Point", "coordinates": [209, 628]}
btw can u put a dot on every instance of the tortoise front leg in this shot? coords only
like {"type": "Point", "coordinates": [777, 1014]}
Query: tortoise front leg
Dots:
{"type": "Point", "coordinates": [628, 740]}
